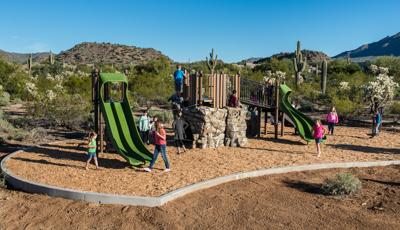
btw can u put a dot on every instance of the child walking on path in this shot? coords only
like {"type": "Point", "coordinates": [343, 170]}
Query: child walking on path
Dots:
{"type": "Point", "coordinates": [378, 123]}
{"type": "Point", "coordinates": [92, 146]}
{"type": "Point", "coordinates": [318, 133]}
{"type": "Point", "coordinates": [160, 146]}
{"type": "Point", "coordinates": [179, 126]}
{"type": "Point", "coordinates": [144, 127]}
{"type": "Point", "coordinates": [332, 119]}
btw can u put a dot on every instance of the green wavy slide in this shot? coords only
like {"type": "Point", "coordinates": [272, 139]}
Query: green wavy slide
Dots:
{"type": "Point", "coordinates": [120, 124]}
{"type": "Point", "coordinates": [304, 124]}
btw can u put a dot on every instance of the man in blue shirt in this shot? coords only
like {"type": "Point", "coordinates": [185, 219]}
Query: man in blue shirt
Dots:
{"type": "Point", "coordinates": [178, 77]}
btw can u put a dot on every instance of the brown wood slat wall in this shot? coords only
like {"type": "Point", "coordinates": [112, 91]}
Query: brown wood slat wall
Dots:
{"type": "Point", "coordinates": [216, 86]}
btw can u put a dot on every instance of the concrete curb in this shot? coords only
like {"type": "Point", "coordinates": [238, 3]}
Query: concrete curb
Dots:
{"type": "Point", "coordinates": [33, 187]}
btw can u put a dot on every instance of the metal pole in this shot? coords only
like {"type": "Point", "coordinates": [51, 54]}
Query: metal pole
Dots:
{"type": "Point", "coordinates": [276, 107]}
{"type": "Point", "coordinates": [282, 124]}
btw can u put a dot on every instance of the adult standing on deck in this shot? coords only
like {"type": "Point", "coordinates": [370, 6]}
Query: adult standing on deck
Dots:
{"type": "Point", "coordinates": [178, 78]}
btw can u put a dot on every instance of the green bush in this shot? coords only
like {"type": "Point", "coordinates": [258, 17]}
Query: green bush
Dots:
{"type": "Point", "coordinates": [342, 184]}
{"type": "Point", "coordinates": [346, 107]}
{"type": "Point", "coordinates": [5, 126]}
{"type": "Point", "coordinates": [395, 108]}
{"type": "Point", "coordinates": [19, 136]}
{"type": "Point", "coordinates": [164, 116]}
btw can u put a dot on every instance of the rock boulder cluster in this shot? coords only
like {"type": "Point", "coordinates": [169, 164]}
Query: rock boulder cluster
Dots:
{"type": "Point", "coordinates": [212, 127]}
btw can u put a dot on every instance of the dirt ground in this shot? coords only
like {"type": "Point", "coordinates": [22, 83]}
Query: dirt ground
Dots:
{"type": "Point", "coordinates": [287, 201]}
{"type": "Point", "coordinates": [52, 164]}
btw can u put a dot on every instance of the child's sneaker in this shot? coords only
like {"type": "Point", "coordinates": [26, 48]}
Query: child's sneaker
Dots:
{"type": "Point", "coordinates": [147, 169]}
{"type": "Point", "coordinates": [167, 170]}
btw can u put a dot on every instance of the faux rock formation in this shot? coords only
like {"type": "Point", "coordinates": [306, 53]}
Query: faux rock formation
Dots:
{"type": "Point", "coordinates": [235, 133]}
{"type": "Point", "coordinates": [212, 128]}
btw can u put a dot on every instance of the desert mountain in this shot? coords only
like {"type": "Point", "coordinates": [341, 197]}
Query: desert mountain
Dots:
{"type": "Point", "coordinates": [388, 46]}
{"type": "Point", "coordinates": [92, 52]}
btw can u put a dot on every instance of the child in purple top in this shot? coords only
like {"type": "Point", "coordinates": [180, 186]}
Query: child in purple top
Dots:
{"type": "Point", "coordinates": [318, 133]}
{"type": "Point", "coordinates": [332, 119]}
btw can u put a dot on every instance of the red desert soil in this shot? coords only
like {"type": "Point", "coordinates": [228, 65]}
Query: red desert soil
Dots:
{"type": "Point", "coordinates": [287, 201]}
{"type": "Point", "coordinates": [63, 164]}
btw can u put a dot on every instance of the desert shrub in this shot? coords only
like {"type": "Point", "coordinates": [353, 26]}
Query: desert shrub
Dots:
{"type": "Point", "coordinates": [342, 184]}
{"type": "Point", "coordinates": [36, 134]}
{"type": "Point", "coordinates": [152, 82]}
{"type": "Point", "coordinates": [306, 106]}
{"type": "Point", "coordinates": [394, 108]}
{"type": "Point", "coordinates": [4, 97]}
{"type": "Point", "coordinates": [2, 140]}
{"type": "Point", "coordinates": [18, 136]}
{"type": "Point", "coordinates": [347, 108]}
{"type": "Point", "coordinates": [61, 110]}
{"type": "Point", "coordinates": [5, 126]}
{"type": "Point", "coordinates": [164, 116]}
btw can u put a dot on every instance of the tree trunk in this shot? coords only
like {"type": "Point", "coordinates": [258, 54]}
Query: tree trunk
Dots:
{"type": "Point", "coordinates": [373, 126]}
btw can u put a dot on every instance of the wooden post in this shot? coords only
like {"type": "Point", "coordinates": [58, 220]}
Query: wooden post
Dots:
{"type": "Point", "coordinates": [282, 124]}
{"type": "Point", "coordinates": [276, 107]}
{"type": "Point", "coordinates": [199, 88]}
{"type": "Point", "coordinates": [98, 118]}
{"type": "Point", "coordinates": [259, 111]}
{"type": "Point", "coordinates": [266, 122]}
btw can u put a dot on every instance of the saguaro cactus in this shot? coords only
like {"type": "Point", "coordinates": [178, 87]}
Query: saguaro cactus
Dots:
{"type": "Point", "coordinates": [51, 58]}
{"type": "Point", "coordinates": [29, 64]}
{"type": "Point", "coordinates": [348, 58]}
{"type": "Point", "coordinates": [212, 62]}
{"type": "Point", "coordinates": [299, 63]}
{"type": "Point", "coordinates": [324, 75]}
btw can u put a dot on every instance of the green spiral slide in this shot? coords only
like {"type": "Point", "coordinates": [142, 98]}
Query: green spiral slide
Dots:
{"type": "Point", "coordinates": [304, 124]}
{"type": "Point", "coordinates": [120, 123]}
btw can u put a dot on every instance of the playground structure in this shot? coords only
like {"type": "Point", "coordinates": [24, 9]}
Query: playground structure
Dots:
{"type": "Point", "coordinates": [113, 114]}
{"type": "Point", "coordinates": [214, 89]}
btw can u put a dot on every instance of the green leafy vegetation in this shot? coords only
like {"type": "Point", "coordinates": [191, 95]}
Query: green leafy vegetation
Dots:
{"type": "Point", "coordinates": [342, 184]}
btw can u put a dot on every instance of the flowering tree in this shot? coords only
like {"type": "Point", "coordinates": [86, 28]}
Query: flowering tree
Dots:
{"type": "Point", "coordinates": [379, 92]}
{"type": "Point", "coordinates": [273, 76]}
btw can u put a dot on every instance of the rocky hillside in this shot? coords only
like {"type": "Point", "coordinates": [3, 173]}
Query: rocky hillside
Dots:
{"type": "Point", "coordinates": [312, 56]}
{"type": "Point", "coordinates": [92, 52]}
{"type": "Point", "coordinates": [22, 58]}
{"type": "Point", "coordinates": [388, 46]}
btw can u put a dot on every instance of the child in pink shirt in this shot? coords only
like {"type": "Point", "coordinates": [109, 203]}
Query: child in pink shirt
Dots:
{"type": "Point", "coordinates": [318, 133]}
{"type": "Point", "coordinates": [332, 119]}
{"type": "Point", "coordinates": [160, 146]}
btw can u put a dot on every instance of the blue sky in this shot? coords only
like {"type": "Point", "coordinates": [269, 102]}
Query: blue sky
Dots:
{"type": "Point", "coordinates": [188, 29]}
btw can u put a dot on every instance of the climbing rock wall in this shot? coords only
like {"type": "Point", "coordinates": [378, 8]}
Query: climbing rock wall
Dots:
{"type": "Point", "coordinates": [210, 129]}
{"type": "Point", "coordinates": [235, 134]}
